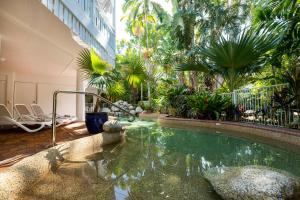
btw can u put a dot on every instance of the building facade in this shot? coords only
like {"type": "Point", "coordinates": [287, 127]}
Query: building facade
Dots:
{"type": "Point", "coordinates": [39, 43]}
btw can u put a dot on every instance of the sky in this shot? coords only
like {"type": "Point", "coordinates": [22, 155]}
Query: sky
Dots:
{"type": "Point", "coordinates": [121, 25]}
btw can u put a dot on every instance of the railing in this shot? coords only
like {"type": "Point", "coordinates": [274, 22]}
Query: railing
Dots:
{"type": "Point", "coordinates": [81, 93]}
{"type": "Point", "coordinates": [257, 105]}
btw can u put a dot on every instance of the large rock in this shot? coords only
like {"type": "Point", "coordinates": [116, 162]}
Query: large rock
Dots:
{"type": "Point", "coordinates": [112, 126]}
{"type": "Point", "coordinates": [138, 110]}
{"type": "Point", "coordinates": [132, 112]}
{"type": "Point", "coordinates": [105, 110]}
{"type": "Point", "coordinates": [114, 109]}
{"type": "Point", "coordinates": [253, 182]}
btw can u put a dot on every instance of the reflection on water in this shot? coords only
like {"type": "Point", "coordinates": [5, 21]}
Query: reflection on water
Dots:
{"type": "Point", "coordinates": [161, 163]}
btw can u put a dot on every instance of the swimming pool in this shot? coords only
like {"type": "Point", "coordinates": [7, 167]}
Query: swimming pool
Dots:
{"type": "Point", "coordinates": [158, 163]}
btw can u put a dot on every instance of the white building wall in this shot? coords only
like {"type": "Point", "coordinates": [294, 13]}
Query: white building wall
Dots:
{"type": "Point", "coordinates": [7, 91]}
{"type": "Point", "coordinates": [33, 82]}
{"type": "Point", "coordinates": [88, 23]}
{"type": "Point", "coordinates": [28, 88]}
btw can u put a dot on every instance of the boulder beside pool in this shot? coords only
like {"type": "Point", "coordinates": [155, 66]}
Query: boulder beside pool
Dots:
{"type": "Point", "coordinates": [138, 110]}
{"type": "Point", "coordinates": [112, 126]}
{"type": "Point", "coordinates": [253, 182]}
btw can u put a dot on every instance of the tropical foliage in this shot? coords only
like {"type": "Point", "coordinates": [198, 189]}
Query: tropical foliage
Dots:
{"type": "Point", "coordinates": [237, 57]}
{"type": "Point", "coordinates": [184, 102]}
{"type": "Point", "coordinates": [180, 60]}
{"type": "Point", "coordinates": [132, 67]}
{"type": "Point", "coordinates": [96, 71]}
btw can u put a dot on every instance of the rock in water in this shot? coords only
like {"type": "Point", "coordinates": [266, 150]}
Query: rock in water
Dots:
{"type": "Point", "coordinates": [112, 126]}
{"type": "Point", "coordinates": [253, 182]}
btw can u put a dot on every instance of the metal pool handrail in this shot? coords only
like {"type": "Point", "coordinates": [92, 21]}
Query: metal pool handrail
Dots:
{"type": "Point", "coordinates": [81, 93]}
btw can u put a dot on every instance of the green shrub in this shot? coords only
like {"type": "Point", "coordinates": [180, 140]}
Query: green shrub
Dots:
{"type": "Point", "coordinates": [160, 104]}
{"type": "Point", "coordinates": [183, 102]}
{"type": "Point", "coordinates": [177, 99]}
{"type": "Point", "coordinates": [207, 106]}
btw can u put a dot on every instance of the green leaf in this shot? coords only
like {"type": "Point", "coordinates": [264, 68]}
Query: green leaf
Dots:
{"type": "Point", "coordinates": [99, 66]}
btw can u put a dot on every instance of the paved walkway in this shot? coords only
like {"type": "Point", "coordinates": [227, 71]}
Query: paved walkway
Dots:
{"type": "Point", "coordinates": [17, 144]}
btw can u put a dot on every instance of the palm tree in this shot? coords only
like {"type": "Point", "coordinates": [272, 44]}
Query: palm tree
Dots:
{"type": "Point", "coordinates": [287, 11]}
{"type": "Point", "coordinates": [141, 14]}
{"type": "Point", "coordinates": [116, 90]}
{"type": "Point", "coordinates": [96, 70]}
{"type": "Point", "coordinates": [199, 22]}
{"type": "Point", "coordinates": [132, 66]}
{"type": "Point", "coordinates": [237, 58]}
{"type": "Point", "coordinates": [184, 24]}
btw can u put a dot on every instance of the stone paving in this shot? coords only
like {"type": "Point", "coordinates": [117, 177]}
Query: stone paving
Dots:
{"type": "Point", "coordinates": [17, 144]}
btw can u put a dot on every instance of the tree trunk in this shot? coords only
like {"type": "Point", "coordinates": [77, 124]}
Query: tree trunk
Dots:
{"type": "Point", "coordinates": [193, 74]}
{"type": "Point", "coordinates": [149, 92]}
{"type": "Point", "coordinates": [134, 92]}
{"type": "Point", "coordinates": [181, 78]}
{"type": "Point", "coordinates": [194, 80]}
{"type": "Point", "coordinates": [142, 95]}
{"type": "Point", "coordinates": [147, 46]}
{"type": "Point", "coordinates": [209, 83]}
{"type": "Point", "coordinates": [97, 105]}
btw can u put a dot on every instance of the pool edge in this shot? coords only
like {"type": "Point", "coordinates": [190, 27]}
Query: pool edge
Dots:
{"type": "Point", "coordinates": [17, 178]}
{"type": "Point", "coordinates": [276, 133]}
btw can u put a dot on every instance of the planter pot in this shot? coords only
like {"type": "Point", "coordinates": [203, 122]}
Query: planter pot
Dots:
{"type": "Point", "coordinates": [94, 121]}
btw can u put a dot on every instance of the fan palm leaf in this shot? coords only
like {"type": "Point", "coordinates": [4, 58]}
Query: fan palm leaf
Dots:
{"type": "Point", "coordinates": [133, 67]}
{"type": "Point", "coordinates": [236, 57]}
{"type": "Point", "coordinates": [91, 64]}
{"type": "Point", "coordinates": [116, 90]}
{"type": "Point", "coordinates": [94, 68]}
{"type": "Point", "coordinates": [99, 66]}
{"type": "Point", "coordinates": [84, 62]}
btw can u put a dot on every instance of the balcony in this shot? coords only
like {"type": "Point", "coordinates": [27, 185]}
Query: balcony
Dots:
{"type": "Point", "coordinates": [88, 24]}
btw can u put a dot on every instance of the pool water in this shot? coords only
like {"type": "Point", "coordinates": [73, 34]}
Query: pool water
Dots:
{"type": "Point", "coordinates": [159, 163]}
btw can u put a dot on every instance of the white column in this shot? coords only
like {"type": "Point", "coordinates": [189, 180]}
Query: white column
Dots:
{"type": "Point", "coordinates": [10, 87]}
{"type": "Point", "coordinates": [114, 13]}
{"type": "Point", "coordinates": [81, 85]}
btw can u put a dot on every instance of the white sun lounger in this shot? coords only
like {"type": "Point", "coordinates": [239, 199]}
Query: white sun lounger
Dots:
{"type": "Point", "coordinates": [25, 115]}
{"type": "Point", "coordinates": [7, 119]}
{"type": "Point", "coordinates": [38, 112]}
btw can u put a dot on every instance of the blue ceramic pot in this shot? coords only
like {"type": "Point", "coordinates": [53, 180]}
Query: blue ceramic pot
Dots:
{"type": "Point", "coordinates": [94, 121]}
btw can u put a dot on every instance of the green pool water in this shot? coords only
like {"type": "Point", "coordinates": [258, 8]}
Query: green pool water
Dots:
{"type": "Point", "coordinates": [163, 163]}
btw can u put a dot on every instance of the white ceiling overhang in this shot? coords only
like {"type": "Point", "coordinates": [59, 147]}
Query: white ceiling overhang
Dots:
{"type": "Point", "coordinates": [35, 41]}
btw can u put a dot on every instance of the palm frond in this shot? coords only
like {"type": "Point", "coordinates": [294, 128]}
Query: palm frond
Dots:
{"type": "Point", "coordinates": [116, 89]}
{"type": "Point", "coordinates": [192, 67]}
{"type": "Point", "coordinates": [84, 62]}
{"type": "Point", "coordinates": [133, 67]}
{"type": "Point", "coordinates": [99, 66]}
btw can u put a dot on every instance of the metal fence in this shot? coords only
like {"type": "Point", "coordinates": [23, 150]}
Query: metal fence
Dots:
{"type": "Point", "coordinates": [256, 105]}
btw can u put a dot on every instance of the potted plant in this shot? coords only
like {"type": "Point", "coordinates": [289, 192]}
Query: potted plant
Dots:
{"type": "Point", "coordinates": [96, 71]}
